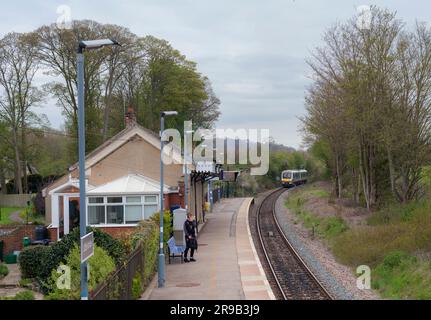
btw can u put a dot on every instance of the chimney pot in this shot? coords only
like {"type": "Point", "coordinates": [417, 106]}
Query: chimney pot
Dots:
{"type": "Point", "coordinates": [130, 117]}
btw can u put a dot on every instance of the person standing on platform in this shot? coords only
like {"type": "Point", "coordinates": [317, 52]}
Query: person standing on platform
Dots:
{"type": "Point", "coordinates": [190, 235]}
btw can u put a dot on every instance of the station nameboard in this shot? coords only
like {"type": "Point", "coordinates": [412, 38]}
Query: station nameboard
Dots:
{"type": "Point", "coordinates": [87, 246]}
{"type": "Point", "coordinates": [205, 166]}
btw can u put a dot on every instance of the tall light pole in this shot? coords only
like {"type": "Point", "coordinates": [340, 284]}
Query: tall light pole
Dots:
{"type": "Point", "coordinates": [84, 45]}
{"type": "Point", "coordinates": [161, 251]}
{"type": "Point", "coordinates": [186, 174]}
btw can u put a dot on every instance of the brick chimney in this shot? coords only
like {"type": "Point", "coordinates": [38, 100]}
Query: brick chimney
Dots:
{"type": "Point", "coordinates": [130, 117]}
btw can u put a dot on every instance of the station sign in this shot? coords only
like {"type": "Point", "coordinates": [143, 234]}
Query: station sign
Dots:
{"type": "Point", "coordinates": [205, 166]}
{"type": "Point", "coordinates": [87, 246]}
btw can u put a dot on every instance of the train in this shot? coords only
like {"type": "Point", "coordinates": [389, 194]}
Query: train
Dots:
{"type": "Point", "coordinates": [292, 178]}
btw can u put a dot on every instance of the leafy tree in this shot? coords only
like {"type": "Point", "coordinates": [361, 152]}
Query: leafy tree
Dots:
{"type": "Point", "coordinates": [368, 110]}
{"type": "Point", "coordinates": [18, 95]}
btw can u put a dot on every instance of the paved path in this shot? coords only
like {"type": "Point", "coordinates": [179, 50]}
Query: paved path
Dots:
{"type": "Point", "coordinates": [227, 266]}
{"type": "Point", "coordinates": [216, 274]}
{"type": "Point", "coordinates": [254, 282]}
{"type": "Point", "coordinates": [13, 277]}
{"type": "Point", "coordinates": [14, 216]}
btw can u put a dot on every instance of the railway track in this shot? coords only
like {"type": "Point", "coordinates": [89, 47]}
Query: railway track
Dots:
{"type": "Point", "coordinates": [293, 279]}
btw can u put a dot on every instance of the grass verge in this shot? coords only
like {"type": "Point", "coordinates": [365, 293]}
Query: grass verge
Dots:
{"type": "Point", "coordinates": [327, 228]}
{"type": "Point", "coordinates": [395, 243]}
{"type": "Point", "coordinates": [5, 215]}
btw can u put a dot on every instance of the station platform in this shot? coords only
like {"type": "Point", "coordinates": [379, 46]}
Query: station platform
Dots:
{"type": "Point", "coordinates": [227, 266]}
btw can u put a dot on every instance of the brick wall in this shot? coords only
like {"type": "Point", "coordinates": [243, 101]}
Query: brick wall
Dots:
{"type": "Point", "coordinates": [175, 199]}
{"type": "Point", "coordinates": [13, 235]}
{"type": "Point", "coordinates": [53, 233]}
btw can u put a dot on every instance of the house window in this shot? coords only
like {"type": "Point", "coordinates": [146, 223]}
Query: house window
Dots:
{"type": "Point", "coordinates": [95, 200]}
{"type": "Point", "coordinates": [115, 199]}
{"type": "Point", "coordinates": [96, 215]}
{"type": "Point", "coordinates": [121, 210]}
{"type": "Point", "coordinates": [115, 214]}
{"type": "Point", "coordinates": [149, 210]}
{"type": "Point", "coordinates": [133, 214]}
{"type": "Point", "coordinates": [133, 199]}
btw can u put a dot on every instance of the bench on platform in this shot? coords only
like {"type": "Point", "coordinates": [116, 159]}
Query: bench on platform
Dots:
{"type": "Point", "coordinates": [175, 251]}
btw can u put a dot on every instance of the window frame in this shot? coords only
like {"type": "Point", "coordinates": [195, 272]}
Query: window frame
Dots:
{"type": "Point", "coordinates": [124, 204]}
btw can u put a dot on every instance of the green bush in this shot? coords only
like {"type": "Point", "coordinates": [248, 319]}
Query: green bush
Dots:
{"type": "Point", "coordinates": [25, 283]}
{"type": "Point", "coordinates": [394, 259]}
{"type": "Point", "coordinates": [112, 246]}
{"type": "Point", "coordinates": [25, 295]}
{"type": "Point", "coordinates": [167, 227]}
{"type": "Point", "coordinates": [32, 261]}
{"type": "Point", "coordinates": [147, 234]}
{"type": "Point", "coordinates": [371, 244]}
{"type": "Point", "coordinates": [4, 271]}
{"type": "Point", "coordinates": [326, 227]}
{"type": "Point", "coordinates": [402, 276]}
{"type": "Point", "coordinates": [331, 227]}
{"type": "Point", "coordinates": [101, 265]}
{"type": "Point", "coordinates": [38, 262]}
{"type": "Point", "coordinates": [137, 286]}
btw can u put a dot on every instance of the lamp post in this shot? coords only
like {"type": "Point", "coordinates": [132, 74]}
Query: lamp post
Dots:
{"type": "Point", "coordinates": [84, 45]}
{"type": "Point", "coordinates": [186, 173]}
{"type": "Point", "coordinates": [161, 251]}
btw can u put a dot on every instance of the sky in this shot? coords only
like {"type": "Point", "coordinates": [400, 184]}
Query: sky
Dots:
{"type": "Point", "coordinates": [253, 51]}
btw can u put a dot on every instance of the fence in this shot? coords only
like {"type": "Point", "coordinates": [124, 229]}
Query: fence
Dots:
{"type": "Point", "coordinates": [14, 200]}
{"type": "Point", "coordinates": [120, 284]}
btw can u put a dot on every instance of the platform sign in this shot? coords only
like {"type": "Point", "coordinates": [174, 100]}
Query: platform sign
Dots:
{"type": "Point", "coordinates": [87, 246]}
{"type": "Point", "coordinates": [205, 166]}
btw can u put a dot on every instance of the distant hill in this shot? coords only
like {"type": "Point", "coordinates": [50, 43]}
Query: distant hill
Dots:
{"type": "Point", "coordinates": [275, 147]}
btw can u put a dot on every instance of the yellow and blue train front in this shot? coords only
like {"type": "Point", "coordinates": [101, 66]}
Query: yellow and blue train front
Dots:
{"type": "Point", "coordinates": [286, 182]}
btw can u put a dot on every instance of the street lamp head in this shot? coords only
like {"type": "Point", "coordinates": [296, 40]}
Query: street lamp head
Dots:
{"type": "Point", "coordinates": [96, 44]}
{"type": "Point", "coordinates": [169, 113]}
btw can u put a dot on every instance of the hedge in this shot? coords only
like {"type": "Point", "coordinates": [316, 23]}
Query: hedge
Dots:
{"type": "Point", "coordinates": [38, 262]}
{"type": "Point", "coordinates": [101, 265]}
{"type": "Point", "coordinates": [147, 234]}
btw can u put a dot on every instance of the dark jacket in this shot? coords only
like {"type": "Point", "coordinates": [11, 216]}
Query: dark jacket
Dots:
{"type": "Point", "coordinates": [190, 231]}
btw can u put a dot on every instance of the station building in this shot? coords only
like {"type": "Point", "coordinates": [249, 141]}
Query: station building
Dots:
{"type": "Point", "coordinates": [123, 186]}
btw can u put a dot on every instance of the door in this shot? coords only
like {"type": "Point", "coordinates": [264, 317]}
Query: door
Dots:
{"type": "Point", "coordinates": [73, 213]}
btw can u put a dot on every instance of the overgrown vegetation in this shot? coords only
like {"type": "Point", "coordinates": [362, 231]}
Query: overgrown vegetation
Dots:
{"type": "Point", "coordinates": [4, 271]}
{"type": "Point", "coordinates": [38, 262]}
{"type": "Point", "coordinates": [402, 276]}
{"type": "Point", "coordinates": [327, 228]}
{"type": "Point", "coordinates": [395, 242]}
{"type": "Point", "coordinates": [25, 295]}
{"type": "Point", "coordinates": [101, 265]}
{"type": "Point", "coordinates": [31, 215]}
{"type": "Point", "coordinates": [368, 119]}
{"type": "Point", "coordinates": [147, 235]}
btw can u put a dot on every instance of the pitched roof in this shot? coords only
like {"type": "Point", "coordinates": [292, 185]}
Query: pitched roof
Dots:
{"type": "Point", "coordinates": [130, 184]}
{"type": "Point", "coordinates": [119, 140]}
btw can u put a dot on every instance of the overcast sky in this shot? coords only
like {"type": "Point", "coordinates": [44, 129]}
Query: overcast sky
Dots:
{"type": "Point", "coordinates": [253, 51]}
